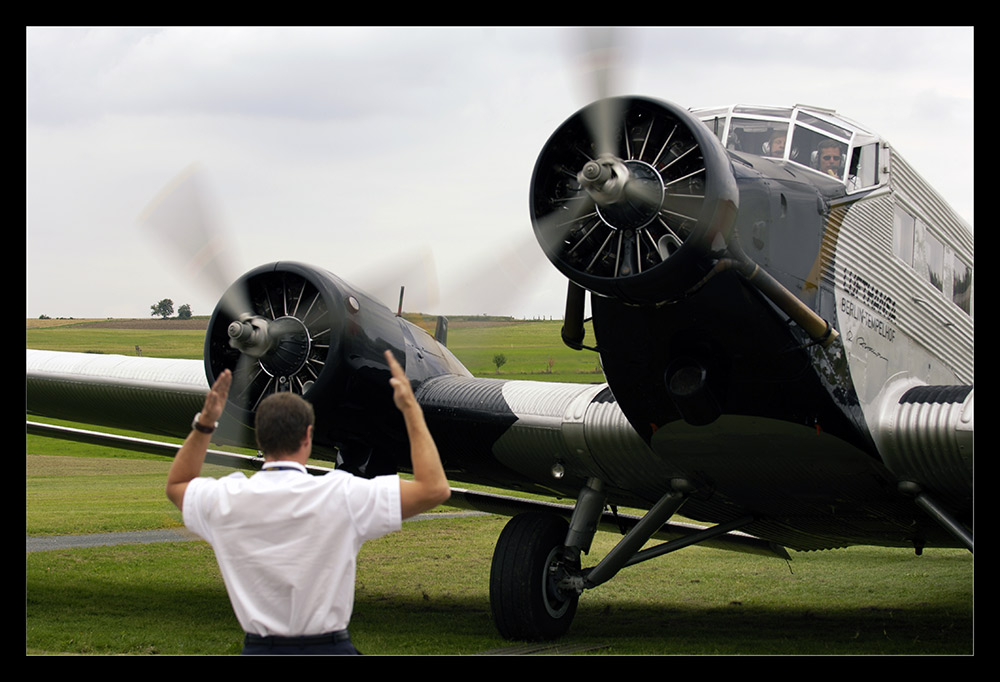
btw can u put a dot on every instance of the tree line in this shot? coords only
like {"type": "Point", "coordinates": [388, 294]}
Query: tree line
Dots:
{"type": "Point", "coordinates": [165, 309]}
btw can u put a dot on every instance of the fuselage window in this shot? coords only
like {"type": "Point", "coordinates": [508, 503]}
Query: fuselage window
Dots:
{"type": "Point", "coordinates": [902, 235]}
{"type": "Point", "coordinates": [915, 245]}
{"type": "Point", "coordinates": [935, 260]}
{"type": "Point", "coordinates": [961, 284]}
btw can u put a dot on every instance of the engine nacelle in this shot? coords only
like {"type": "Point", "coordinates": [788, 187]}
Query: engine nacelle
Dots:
{"type": "Point", "coordinates": [309, 332]}
{"type": "Point", "coordinates": [630, 195]}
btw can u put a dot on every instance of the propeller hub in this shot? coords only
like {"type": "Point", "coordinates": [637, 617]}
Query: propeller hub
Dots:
{"type": "Point", "coordinates": [640, 201]}
{"type": "Point", "coordinates": [604, 179]}
{"type": "Point", "coordinates": [281, 345]}
{"type": "Point", "coordinates": [249, 335]}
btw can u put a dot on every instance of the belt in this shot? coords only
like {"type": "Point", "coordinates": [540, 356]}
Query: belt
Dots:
{"type": "Point", "coordinates": [301, 640]}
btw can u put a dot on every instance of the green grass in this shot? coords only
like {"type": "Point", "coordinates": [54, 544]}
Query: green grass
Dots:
{"type": "Point", "coordinates": [425, 589]}
{"type": "Point", "coordinates": [120, 492]}
{"type": "Point", "coordinates": [178, 343]}
{"type": "Point", "coordinates": [534, 350]}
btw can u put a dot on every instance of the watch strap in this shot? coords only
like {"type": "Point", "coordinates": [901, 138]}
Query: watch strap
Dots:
{"type": "Point", "coordinates": [198, 426]}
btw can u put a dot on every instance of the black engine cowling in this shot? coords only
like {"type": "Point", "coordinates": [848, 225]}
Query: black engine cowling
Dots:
{"type": "Point", "coordinates": [307, 331]}
{"type": "Point", "coordinates": [630, 208]}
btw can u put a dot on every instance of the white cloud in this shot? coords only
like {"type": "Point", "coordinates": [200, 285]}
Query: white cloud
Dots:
{"type": "Point", "coordinates": [347, 146]}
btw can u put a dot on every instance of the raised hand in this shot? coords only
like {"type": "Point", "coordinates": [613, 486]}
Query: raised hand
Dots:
{"type": "Point", "coordinates": [402, 392]}
{"type": "Point", "coordinates": [215, 401]}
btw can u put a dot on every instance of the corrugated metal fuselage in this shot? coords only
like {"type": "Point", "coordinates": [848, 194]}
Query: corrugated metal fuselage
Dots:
{"type": "Point", "coordinates": [789, 436]}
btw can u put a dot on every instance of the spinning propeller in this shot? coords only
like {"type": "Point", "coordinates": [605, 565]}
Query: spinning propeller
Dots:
{"type": "Point", "coordinates": [278, 327]}
{"type": "Point", "coordinates": [628, 220]}
{"type": "Point", "coordinates": [183, 218]}
{"type": "Point", "coordinates": [628, 192]}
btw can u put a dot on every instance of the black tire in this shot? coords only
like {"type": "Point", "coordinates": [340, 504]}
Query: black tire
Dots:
{"type": "Point", "coordinates": [523, 598]}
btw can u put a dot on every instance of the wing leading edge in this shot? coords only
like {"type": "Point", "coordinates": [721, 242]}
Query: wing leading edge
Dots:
{"type": "Point", "coordinates": [151, 395]}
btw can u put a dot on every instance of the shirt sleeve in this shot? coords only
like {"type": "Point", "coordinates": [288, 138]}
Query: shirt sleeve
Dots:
{"type": "Point", "coordinates": [200, 498]}
{"type": "Point", "coordinates": [194, 506]}
{"type": "Point", "coordinates": [375, 506]}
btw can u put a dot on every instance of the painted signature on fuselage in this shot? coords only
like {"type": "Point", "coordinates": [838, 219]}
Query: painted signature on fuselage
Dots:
{"type": "Point", "coordinates": [860, 341]}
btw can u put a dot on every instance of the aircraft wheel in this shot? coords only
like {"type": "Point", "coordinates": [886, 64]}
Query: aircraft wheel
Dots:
{"type": "Point", "coordinates": [524, 600]}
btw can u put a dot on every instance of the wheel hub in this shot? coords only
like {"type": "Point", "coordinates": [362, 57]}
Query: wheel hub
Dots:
{"type": "Point", "coordinates": [555, 603]}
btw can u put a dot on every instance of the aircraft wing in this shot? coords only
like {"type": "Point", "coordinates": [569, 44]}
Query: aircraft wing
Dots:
{"type": "Point", "coordinates": [152, 395]}
{"type": "Point", "coordinates": [160, 396]}
{"type": "Point", "coordinates": [96, 388]}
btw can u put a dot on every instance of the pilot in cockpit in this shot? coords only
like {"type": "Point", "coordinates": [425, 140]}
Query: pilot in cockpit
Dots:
{"type": "Point", "coordinates": [829, 158]}
{"type": "Point", "coordinates": [776, 145]}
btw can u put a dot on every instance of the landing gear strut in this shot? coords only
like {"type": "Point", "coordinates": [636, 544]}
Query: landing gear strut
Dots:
{"type": "Point", "coordinates": [536, 578]}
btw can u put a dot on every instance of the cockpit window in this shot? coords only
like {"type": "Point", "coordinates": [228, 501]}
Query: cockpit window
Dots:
{"type": "Point", "coordinates": [770, 112]}
{"type": "Point", "coordinates": [864, 168]}
{"type": "Point", "coordinates": [820, 152]}
{"type": "Point", "coordinates": [760, 137]}
{"type": "Point", "coordinates": [822, 126]}
{"type": "Point", "coordinates": [815, 138]}
{"type": "Point", "coordinates": [715, 119]}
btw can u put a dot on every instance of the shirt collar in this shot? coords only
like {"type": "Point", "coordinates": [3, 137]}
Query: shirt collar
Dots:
{"type": "Point", "coordinates": [282, 465]}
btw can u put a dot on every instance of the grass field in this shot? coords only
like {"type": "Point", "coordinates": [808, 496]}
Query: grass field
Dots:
{"type": "Point", "coordinates": [533, 350]}
{"type": "Point", "coordinates": [425, 589]}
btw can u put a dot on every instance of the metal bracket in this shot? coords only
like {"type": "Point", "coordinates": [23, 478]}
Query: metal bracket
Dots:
{"type": "Point", "coordinates": [621, 555]}
{"type": "Point", "coordinates": [938, 513]}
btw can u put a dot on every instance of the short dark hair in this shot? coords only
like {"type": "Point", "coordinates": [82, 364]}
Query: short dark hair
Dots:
{"type": "Point", "coordinates": [282, 422]}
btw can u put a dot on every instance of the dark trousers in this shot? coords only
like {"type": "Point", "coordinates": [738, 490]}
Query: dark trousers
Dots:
{"type": "Point", "coordinates": [330, 644]}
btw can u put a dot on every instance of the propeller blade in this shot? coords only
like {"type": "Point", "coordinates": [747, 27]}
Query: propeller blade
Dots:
{"type": "Point", "coordinates": [554, 229]}
{"type": "Point", "coordinates": [416, 270]}
{"type": "Point", "coordinates": [182, 217]}
{"type": "Point", "coordinates": [600, 63]}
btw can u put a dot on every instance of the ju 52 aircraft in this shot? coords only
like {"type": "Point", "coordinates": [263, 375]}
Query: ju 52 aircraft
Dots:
{"type": "Point", "coordinates": [783, 310]}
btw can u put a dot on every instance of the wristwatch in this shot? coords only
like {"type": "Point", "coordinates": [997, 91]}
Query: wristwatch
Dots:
{"type": "Point", "coordinates": [198, 426]}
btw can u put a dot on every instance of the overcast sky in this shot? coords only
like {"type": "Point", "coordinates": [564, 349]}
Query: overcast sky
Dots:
{"type": "Point", "coordinates": [363, 149]}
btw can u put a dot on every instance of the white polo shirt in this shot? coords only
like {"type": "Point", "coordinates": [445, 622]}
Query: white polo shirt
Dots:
{"type": "Point", "coordinates": [287, 542]}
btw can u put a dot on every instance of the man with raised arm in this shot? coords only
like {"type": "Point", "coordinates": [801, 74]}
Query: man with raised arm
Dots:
{"type": "Point", "coordinates": [287, 542]}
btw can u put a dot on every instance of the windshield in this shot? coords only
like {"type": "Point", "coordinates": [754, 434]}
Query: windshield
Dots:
{"type": "Point", "coordinates": [814, 138]}
{"type": "Point", "coordinates": [825, 143]}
